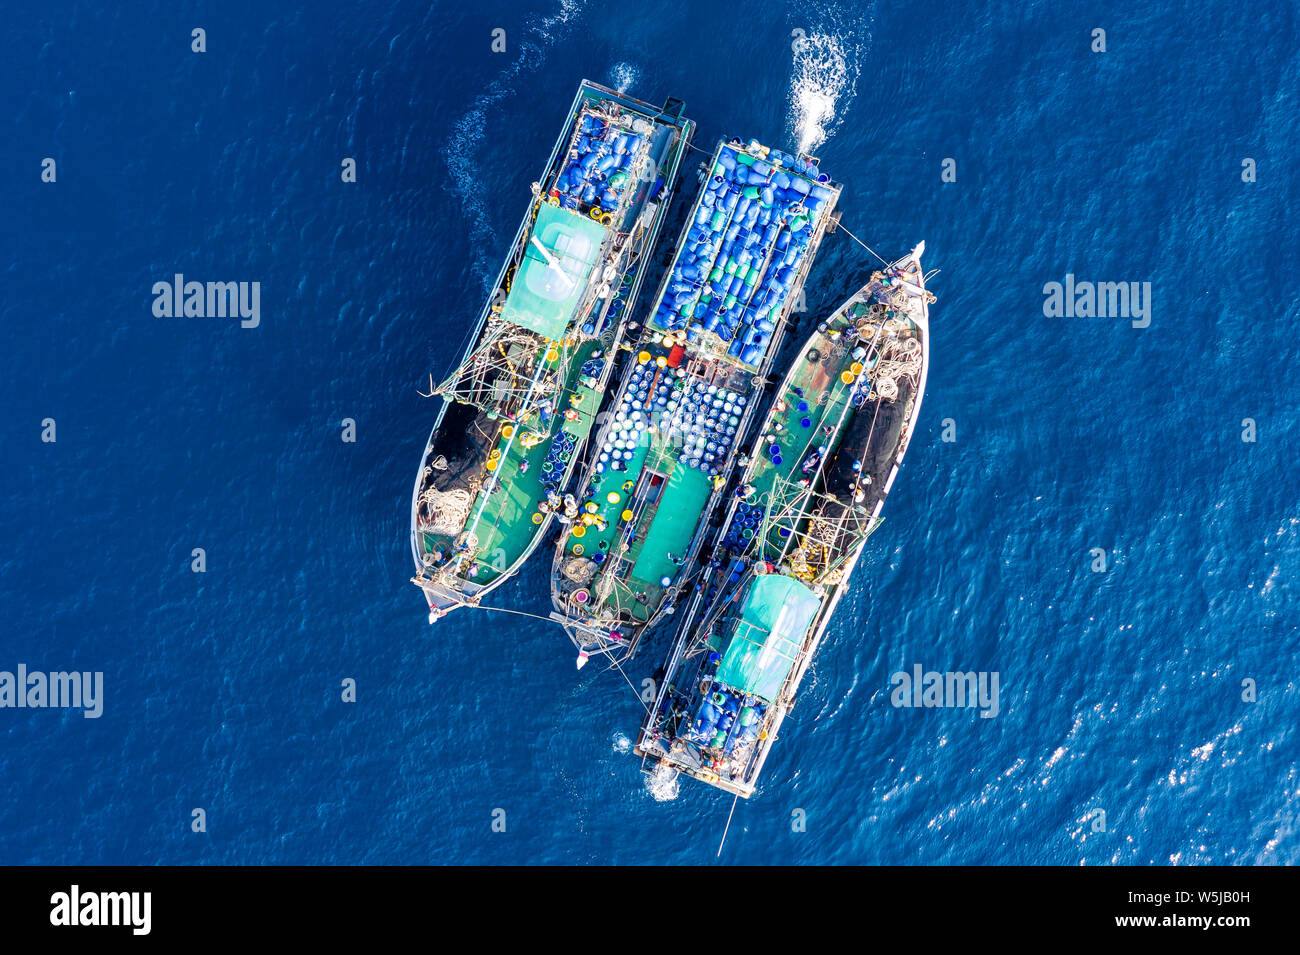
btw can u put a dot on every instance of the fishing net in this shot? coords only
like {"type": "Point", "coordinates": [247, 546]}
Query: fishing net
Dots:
{"type": "Point", "coordinates": [444, 512]}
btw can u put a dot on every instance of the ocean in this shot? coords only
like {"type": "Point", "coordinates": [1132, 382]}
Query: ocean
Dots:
{"type": "Point", "coordinates": [1148, 710]}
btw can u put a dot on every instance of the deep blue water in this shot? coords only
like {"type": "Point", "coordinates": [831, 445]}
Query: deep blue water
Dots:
{"type": "Point", "coordinates": [1119, 690]}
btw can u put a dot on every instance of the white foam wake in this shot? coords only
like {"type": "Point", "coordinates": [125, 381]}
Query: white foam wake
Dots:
{"type": "Point", "coordinates": [821, 77]}
{"type": "Point", "coordinates": [624, 75]}
{"type": "Point", "coordinates": [567, 11]}
{"type": "Point", "coordinates": [661, 783]}
{"type": "Point", "coordinates": [461, 151]}
{"type": "Point", "coordinates": [828, 59]}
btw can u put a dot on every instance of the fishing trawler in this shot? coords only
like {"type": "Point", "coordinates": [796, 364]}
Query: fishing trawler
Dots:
{"type": "Point", "coordinates": [522, 401]}
{"type": "Point", "coordinates": [662, 457]}
{"type": "Point", "coordinates": [823, 463]}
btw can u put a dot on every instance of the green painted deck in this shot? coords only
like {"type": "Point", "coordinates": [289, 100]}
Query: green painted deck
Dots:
{"type": "Point", "coordinates": [650, 456]}
{"type": "Point", "coordinates": [825, 398]}
{"type": "Point", "coordinates": [825, 395]}
{"type": "Point", "coordinates": [637, 550]}
{"type": "Point", "coordinates": [506, 528]}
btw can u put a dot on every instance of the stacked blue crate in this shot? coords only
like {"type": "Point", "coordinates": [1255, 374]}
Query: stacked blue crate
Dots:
{"type": "Point", "coordinates": [599, 165]}
{"type": "Point", "coordinates": [727, 718]}
{"type": "Point", "coordinates": [741, 258]}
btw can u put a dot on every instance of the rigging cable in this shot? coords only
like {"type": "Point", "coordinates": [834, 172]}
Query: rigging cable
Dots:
{"type": "Point", "coordinates": [614, 663]}
{"type": "Point", "coordinates": [861, 243]}
{"type": "Point", "coordinates": [724, 831]}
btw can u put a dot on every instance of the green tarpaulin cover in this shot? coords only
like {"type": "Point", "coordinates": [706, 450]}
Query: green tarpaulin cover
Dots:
{"type": "Point", "coordinates": [768, 635]}
{"type": "Point", "coordinates": [548, 286]}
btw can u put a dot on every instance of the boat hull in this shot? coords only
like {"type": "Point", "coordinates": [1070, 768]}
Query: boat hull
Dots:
{"type": "Point", "coordinates": [659, 466]}
{"type": "Point", "coordinates": [829, 511]}
{"type": "Point", "coordinates": [471, 531]}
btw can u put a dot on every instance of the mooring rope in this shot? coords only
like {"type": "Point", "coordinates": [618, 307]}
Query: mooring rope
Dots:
{"type": "Point", "coordinates": [614, 664]}
{"type": "Point", "coordinates": [728, 828]}
{"type": "Point", "coordinates": [861, 243]}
